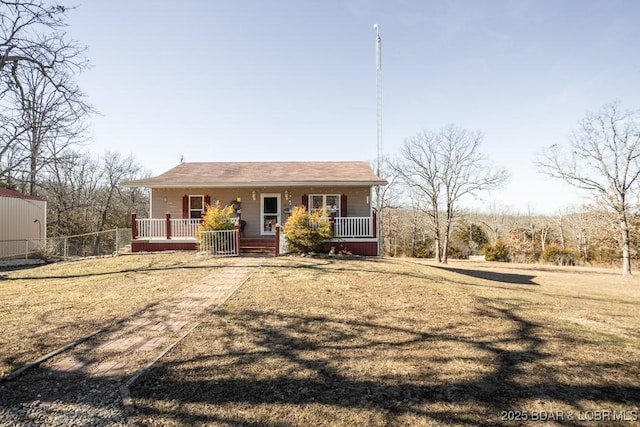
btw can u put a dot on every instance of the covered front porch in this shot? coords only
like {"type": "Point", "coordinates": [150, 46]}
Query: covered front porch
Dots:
{"type": "Point", "coordinates": [263, 195]}
{"type": "Point", "coordinates": [357, 235]}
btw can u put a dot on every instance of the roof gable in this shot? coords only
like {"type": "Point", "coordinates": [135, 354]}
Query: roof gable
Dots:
{"type": "Point", "coordinates": [245, 174]}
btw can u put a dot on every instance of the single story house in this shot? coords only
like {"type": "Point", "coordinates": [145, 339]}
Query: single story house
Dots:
{"type": "Point", "coordinates": [23, 223]}
{"type": "Point", "coordinates": [264, 193]}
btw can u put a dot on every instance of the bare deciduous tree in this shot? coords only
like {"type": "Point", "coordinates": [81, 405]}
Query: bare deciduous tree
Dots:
{"type": "Point", "coordinates": [387, 200]}
{"type": "Point", "coordinates": [414, 220]}
{"type": "Point", "coordinates": [32, 36]}
{"type": "Point", "coordinates": [497, 222]}
{"type": "Point", "coordinates": [445, 166]}
{"type": "Point", "coordinates": [114, 170]}
{"type": "Point", "coordinates": [53, 121]}
{"type": "Point", "coordinates": [84, 193]}
{"type": "Point", "coordinates": [465, 171]}
{"type": "Point", "coordinates": [602, 160]}
{"type": "Point", "coordinates": [69, 186]}
{"type": "Point", "coordinates": [11, 155]}
{"type": "Point", "coordinates": [37, 94]}
{"type": "Point", "coordinates": [419, 167]}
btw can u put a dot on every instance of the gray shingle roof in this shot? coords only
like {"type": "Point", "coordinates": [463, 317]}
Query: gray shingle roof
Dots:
{"type": "Point", "coordinates": [246, 174]}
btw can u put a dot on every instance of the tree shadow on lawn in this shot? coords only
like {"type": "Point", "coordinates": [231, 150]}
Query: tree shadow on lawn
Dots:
{"type": "Point", "coordinates": [313, 360]}
{"type": "Point", "coordinates": [526, 279]}
{"type": "Point", "coordinates": [362, 265]}
{"type": "Point", "coordinates": [126, 271]}
{"type": "Point", "coordinates": [503, 278]}
{"type": "Point", "coordinates": [506, 278]}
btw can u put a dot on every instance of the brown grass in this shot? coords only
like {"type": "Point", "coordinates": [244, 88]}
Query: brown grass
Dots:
{"type": "Point", "coordinates": [44, 308]}
{"type": "Point", "coordinates": [354, 342]}
{"type": "Point", "coordinates": [386, 342]}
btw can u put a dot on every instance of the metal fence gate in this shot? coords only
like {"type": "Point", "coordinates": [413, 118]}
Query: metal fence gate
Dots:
{"type": "Point", "coordinates": [220, 242]}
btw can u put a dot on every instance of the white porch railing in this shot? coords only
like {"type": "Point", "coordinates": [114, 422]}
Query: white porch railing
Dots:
{"type": "Point", "coordinates": [220, 242]}
{"type": "Point", "coordinates": [149, 228]}
{"type": "Point", "coordinates": [184, 227]}
{"type": "Point", "coordinates": [352, 227]}
{"type": "Point", "coordinates": [344, 227]}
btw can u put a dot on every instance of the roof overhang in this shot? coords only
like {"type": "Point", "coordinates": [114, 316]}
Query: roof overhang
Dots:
{"type": "Point", "coordinates": [138, 184]}
{"type": "Point", "coordinates": [262, 174]}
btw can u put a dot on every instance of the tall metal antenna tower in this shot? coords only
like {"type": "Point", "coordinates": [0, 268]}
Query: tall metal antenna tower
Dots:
{"type": "Point", "coordinates": [379, 134]}
{"type": "Point", "coordinates": [378, 97]}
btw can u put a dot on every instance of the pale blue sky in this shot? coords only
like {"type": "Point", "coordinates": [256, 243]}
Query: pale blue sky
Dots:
{"type": "Point", "coordinates": [276, 80]}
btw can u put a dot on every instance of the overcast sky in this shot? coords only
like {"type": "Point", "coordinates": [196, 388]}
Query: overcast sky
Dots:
{"type": "Point", "coordinates": [258, 80]}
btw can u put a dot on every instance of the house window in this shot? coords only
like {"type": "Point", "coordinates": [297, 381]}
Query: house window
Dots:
{"type": "Point", "coordinates": [329, 202]}
{"type": "Point", "coordinates": [196, 207]}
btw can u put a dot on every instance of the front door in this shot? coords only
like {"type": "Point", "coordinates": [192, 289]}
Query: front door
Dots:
{"type": "Point", "coordinates": [270, 213]}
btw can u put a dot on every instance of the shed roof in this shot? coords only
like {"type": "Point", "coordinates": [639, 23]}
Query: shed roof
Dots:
{"type": "Point", "coordinates": [247, 174]}
{"type": "Point", "coordinates": [5, 192]}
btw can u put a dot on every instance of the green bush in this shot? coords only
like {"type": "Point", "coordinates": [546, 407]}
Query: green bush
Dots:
{"type": "Point", "coordinates": [556, 255]}
{"type": "Point", "coordinates": [497, 252]}
{"type": "Point", "coordinates": [467, 239]}
{"type": "Point", "coordinates": [307, 231]}
{"type": "Point", "coordinates": [424, 249]}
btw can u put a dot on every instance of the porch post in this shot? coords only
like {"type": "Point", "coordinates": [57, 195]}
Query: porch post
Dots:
{"type": "Point", "coordinates": [237, 238]}
{"type": "Point", "coordinates": [374, 226]}
{"type": "Point", "coordinates": [168, 224]}
{"type": "Point", "coordinates": [277, 239]}
{"type": "Point", "coordinates": [134, 227]}
{"type": "Point", "coordinates": [332, 223]}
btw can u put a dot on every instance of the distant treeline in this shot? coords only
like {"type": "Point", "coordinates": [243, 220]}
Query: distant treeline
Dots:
{"type": "Point", "coordinates": [584, 236]}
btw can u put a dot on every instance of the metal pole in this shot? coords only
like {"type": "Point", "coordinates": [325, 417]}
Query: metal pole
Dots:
{"type": "Point", "coordinates": [379, 134]}
{"type": "Point", "coordinates": [378, 98]}
{"type": "Point", "coordinates": [117, 240]}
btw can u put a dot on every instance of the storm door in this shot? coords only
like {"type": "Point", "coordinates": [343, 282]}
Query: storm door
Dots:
{"type": "Point", "coordinates": [269, 213]}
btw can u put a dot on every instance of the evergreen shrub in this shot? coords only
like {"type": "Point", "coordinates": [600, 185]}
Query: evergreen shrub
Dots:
{"type": "Point", "coordinates": [555, 254]}
{"type": "Point", "coordinates": [497, 252]}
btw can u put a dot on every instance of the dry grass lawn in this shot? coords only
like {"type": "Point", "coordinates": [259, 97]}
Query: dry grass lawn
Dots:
{"type": "Point", "coordinates": [355, 342]}
{"type": "Point", "coordinates": [391, 342]}
{"type": "Point", "coordinates": [44, 308]}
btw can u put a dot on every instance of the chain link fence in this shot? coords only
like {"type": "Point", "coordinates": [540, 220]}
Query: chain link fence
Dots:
{"type": "Point", "coordinates": [110, 242]}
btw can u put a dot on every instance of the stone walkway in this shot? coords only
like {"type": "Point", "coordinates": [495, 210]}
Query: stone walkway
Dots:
{"type": "Point", "coordinates": [80, 386]}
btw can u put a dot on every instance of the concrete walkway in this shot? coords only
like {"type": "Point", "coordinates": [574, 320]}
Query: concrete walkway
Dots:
{"type": "Point", "coordinates": [61, 386]}
{"type": "Point", "coordinates": [123, 350]}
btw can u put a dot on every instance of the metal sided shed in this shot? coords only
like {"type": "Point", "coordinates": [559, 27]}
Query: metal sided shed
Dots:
{"type": "Point", "coordinates": [23, 218]}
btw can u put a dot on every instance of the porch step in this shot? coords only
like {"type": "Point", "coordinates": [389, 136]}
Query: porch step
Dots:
{"type": "Point", "coordinates": [261, 251]}
{"type": "Point", "coordinates": [257, 245]}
